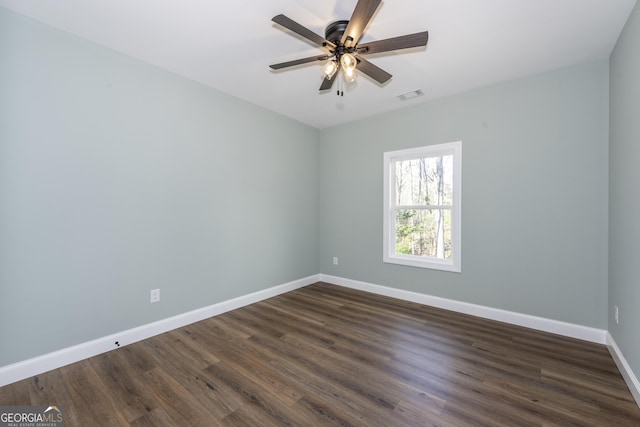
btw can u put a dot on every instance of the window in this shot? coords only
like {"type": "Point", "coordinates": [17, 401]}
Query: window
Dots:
{"type": "Point", "coordinates": [422, 207]}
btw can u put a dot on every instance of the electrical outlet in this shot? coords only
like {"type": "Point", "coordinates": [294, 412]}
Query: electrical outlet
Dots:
{"type": "Point", "coordinates": [154, 296]}
{"type": "Point", "coordinates": [616, 313]}
{"type": "Point", "coordinates": [335, 260]}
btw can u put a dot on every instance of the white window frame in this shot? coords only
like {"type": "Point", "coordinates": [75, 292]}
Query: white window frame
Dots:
{"type": "Point", "coordinates": [389, 223]}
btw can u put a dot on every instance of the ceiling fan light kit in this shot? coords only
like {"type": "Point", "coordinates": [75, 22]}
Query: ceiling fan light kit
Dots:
{"type": "Point", "coordinates": [345, 55]}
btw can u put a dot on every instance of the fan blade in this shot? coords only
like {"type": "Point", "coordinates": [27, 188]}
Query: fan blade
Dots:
{"type": "Point", "coordinates": [361, 16]}
{"type": "Point", "coordinates": [299, 61]}
{"type": "Point", "coordinates": [373, 71]}
{"type": "Point", "coordinates": [395, 43]}
{"type": "Point", "coordinates": [327, 83]}
{"type": "Point", "coordinates": [301, 30]}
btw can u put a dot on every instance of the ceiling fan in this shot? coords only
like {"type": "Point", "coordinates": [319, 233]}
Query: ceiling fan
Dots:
{"type": "Point", "coordinates": [344, 53]}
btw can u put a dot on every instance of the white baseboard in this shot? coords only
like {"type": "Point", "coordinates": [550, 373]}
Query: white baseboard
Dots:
{"type": "Point", "coordinates": [540, 323]}
{"type": "Point", "coordinates": [37, 365]}
{"type": "Point", "coordinates": [624, 368]}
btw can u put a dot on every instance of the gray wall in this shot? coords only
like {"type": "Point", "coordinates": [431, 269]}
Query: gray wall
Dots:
{"type": "Point", "coordinates": [117, 177]}
{"type": "Point", "coordinates": [624, 214]}
{"type": "Point", "coordinates": [534, 205]}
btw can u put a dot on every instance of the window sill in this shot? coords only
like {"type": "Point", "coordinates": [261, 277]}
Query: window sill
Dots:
{"type": "Point", "coordinates": [420, 262]}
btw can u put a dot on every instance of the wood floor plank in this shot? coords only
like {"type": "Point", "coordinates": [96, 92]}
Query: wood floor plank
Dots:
{"type": "Point", "coordinates": [257, 400]}
{"type": "Point", "coordinates": [333, 400]}
{"type": "Point", "coordinates": [90, 400]}
{"type": "Point", "coordinates": [216, 398]}
{"type": "Point", "coordinates": [354, 374]}
{"type": "Point", "coordinates": [16, 394]}
{"type": "Point", "coordinates": [191, 352]}
{"type": "Point", "coordinates": [157, 417]}
{"type": "Point", "coordinates": [47, 388]}
{"type": "Point", "coordinates": [327, 355]}
{"type": "Point", "coordinates": [176, 401]}
{"type": "Point", "coordinates": [319, 411]}
{"type": "Point", "coordinates": [126, 391]}
{"type": "Point", "coordinates": [251, 364]}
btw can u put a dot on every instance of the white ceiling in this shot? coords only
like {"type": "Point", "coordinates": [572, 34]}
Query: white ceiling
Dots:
{"type": "Point", "coordinates": [229, 45]}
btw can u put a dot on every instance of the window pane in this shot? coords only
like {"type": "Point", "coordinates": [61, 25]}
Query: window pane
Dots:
{"type": "Point", "coordinates": [424, 232]}
{"type": "Point", "coordinates": [425, 181]}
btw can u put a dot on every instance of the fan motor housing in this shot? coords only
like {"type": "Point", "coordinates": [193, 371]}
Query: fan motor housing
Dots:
{"type": "Point", "coordinates": [335, 30]}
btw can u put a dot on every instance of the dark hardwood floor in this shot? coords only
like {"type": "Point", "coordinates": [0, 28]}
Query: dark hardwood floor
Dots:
{"type": "Point", "coordinates": [326, 355]}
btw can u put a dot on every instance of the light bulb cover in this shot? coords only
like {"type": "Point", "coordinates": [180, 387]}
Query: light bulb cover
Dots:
{"type": "Point", "coordinates": [350, 74]}
{"type": "Point", "coordinates": [348, 61]}
{"type": "Point", "coordinates": [330, 68]}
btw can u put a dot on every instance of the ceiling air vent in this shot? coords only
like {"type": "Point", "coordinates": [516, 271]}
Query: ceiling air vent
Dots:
{"type": "Point", "coordinates": [410, 95]}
